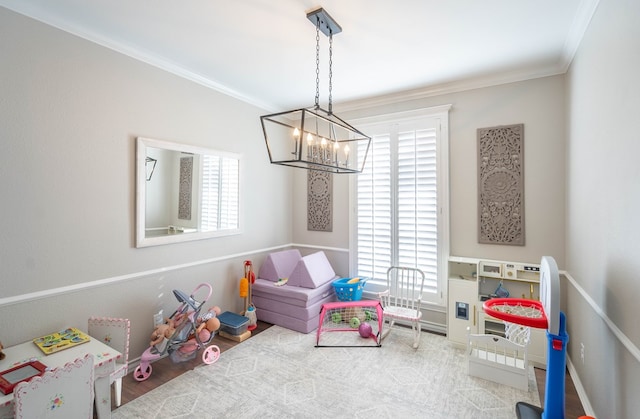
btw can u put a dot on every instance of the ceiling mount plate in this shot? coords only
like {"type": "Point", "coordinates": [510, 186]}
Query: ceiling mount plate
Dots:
{"type": "Point", "coordinates": [328, 26]}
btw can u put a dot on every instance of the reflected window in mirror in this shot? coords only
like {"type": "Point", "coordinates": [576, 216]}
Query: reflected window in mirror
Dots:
{"type": "Point", "coordinates": [192, 194]}
{"type": "Point", "coordinates": [219, 193]}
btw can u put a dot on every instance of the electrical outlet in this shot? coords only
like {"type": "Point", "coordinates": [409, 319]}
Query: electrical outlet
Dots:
{"type": "Point", "coordinates": [582, 352]}
{"type": "Point", "coordinates": [158, 319]}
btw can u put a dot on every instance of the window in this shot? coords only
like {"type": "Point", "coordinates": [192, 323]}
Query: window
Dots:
{"type": "Point", "coordinates": [401, 199]}
{"type": "Point", "coordinates": [219, 193]}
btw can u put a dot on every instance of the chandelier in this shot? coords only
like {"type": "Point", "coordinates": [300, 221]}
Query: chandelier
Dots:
{"type": "Point", "coordinates": [314, 138]}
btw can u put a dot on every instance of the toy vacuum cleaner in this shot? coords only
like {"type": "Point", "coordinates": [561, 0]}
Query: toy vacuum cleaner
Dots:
{"type": "Point", "coordinates": [246, 284]}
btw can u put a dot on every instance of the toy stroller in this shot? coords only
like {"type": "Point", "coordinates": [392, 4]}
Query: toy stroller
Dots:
{"type": "Point", "coordinates": [183, 342]}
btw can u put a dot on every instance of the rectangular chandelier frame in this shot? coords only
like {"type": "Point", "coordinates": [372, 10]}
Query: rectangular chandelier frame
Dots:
{"type": "Point", "coordinates": [314, 139]}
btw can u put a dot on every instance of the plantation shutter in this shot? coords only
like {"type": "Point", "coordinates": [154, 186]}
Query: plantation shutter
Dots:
{"type": "Point", "coordinates": [374, 210]}
{"type": "Point", "coordinates": [397, 202]}
{"type": "Point", "coordinates": [417, 226]}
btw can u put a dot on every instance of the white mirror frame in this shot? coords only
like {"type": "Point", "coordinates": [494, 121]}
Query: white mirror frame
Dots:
{"type": "Point", "coordinates": [142, 239]}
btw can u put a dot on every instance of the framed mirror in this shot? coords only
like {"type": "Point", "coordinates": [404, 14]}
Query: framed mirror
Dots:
{"type": "Point", "coordinates": [185, 193]}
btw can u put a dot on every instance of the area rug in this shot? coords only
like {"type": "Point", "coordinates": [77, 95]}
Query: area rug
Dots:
{"type": "Point", "coordinates": [279, 373]}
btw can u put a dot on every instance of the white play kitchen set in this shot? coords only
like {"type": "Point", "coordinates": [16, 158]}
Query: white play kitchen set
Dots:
{"type": "Point", "coordinates": [500, 325]}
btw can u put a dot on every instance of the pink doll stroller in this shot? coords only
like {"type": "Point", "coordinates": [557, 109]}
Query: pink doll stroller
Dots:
{"type": "Point", "coordinates": [181, 340]}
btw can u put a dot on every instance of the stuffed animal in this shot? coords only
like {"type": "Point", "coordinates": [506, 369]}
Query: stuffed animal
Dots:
{"type": "Point", "coordinates": [1, 353]}
{"type": "Point", "coordinates": [209, 322]}
{"type": "Point", "coordinates": [191, 344]}
{"type": "Point", "coordinates": [204, 335]}
{"type": "Point", "coordinates": [162, 332]}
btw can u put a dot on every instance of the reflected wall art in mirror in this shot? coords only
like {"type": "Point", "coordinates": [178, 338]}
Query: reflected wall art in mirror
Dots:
{"type": "Point", "coordinates": [185, 193]}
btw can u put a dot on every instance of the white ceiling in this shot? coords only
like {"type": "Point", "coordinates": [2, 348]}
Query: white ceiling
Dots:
{"type": "Point", "coordinates": [263, 51]}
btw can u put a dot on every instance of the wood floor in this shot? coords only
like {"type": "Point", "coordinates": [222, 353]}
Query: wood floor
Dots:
{"type": "Point", "coordinates": [164, 370]}
{"type": "Point", "coordinates": [572, 405]}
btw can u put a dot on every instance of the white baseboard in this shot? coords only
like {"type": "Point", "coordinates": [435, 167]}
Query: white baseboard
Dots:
{"type": "Point", "coordinates": [582, 394]}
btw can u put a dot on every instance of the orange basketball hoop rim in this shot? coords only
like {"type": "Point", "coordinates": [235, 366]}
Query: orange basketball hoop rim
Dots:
{"type": "Point", "coordinates": [517, 310]}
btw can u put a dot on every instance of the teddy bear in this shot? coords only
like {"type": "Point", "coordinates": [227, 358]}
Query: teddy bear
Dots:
{"type": "Point", "coordinates": [162, 332]}
{"type": "Point", "coordinates": [1, 353]}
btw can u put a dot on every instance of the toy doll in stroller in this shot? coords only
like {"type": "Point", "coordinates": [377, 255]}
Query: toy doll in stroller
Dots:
{"type": "Point", "coordinates": [183, 333]}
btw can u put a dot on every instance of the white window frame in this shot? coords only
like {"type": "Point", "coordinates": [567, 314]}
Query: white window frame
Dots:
{"type": "Point", "coordinates": [439, 116]}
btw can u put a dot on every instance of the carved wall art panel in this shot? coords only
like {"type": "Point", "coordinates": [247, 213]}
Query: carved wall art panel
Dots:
{"type": "Point", "coordinates": [184, 190]}
{"type": "Point", "coordinates": [319, 201]}
{"type": "Point", "coordinates": [501, 185]}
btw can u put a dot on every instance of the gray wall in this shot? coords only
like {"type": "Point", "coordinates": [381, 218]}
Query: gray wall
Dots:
{"type": "Point", "coordinates": [69, 114]}
{"type": "Point", "coordinates": [603, 207]}
{"type": "Point", "coordinates": [539, 104]}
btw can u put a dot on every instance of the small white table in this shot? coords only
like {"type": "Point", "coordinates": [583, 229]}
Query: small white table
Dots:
{"type": "Point", "coordinates": [104, 358]}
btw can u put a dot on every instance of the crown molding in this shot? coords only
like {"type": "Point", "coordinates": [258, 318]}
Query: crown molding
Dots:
{"type": "Point", "coordinates": [448, 88]}
{"type": "Point", "coordinates": [581, 21]}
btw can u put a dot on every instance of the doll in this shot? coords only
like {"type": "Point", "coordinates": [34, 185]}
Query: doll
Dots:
{"type": "Point", "coordinates": [162, 333]}
{"type": "Point", "coordinates": [209, 322]}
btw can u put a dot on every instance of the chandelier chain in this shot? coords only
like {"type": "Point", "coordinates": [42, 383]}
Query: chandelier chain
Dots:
{"type": "Point", "coordinates": [318, 64]}
{"type": "Point", "coordinates": [330, 69]}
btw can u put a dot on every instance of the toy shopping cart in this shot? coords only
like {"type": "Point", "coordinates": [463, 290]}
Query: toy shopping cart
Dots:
{"type": "Point", "coordinates": [183, 342]}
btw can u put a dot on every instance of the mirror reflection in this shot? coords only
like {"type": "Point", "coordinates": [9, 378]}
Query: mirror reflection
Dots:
{"type": "Point", "coordinates": [185, 192]}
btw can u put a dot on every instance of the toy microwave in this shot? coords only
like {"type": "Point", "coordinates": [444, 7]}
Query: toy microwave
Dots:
{"type": "Point", "coordinates": [490, 269]}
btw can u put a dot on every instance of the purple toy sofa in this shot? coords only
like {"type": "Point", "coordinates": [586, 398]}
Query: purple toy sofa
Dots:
{"type": "Point", "coordinates": [295, 305]}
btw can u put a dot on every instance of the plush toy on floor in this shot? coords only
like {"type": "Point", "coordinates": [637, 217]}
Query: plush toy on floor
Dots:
{"type": "Point", "coordinates": [1, 353]}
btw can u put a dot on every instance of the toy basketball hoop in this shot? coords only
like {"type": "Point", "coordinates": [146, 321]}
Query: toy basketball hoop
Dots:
{"type": "Point", "coordinates": [543, 314]}
{"type": "Point", "coordinates": [517, 310]}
